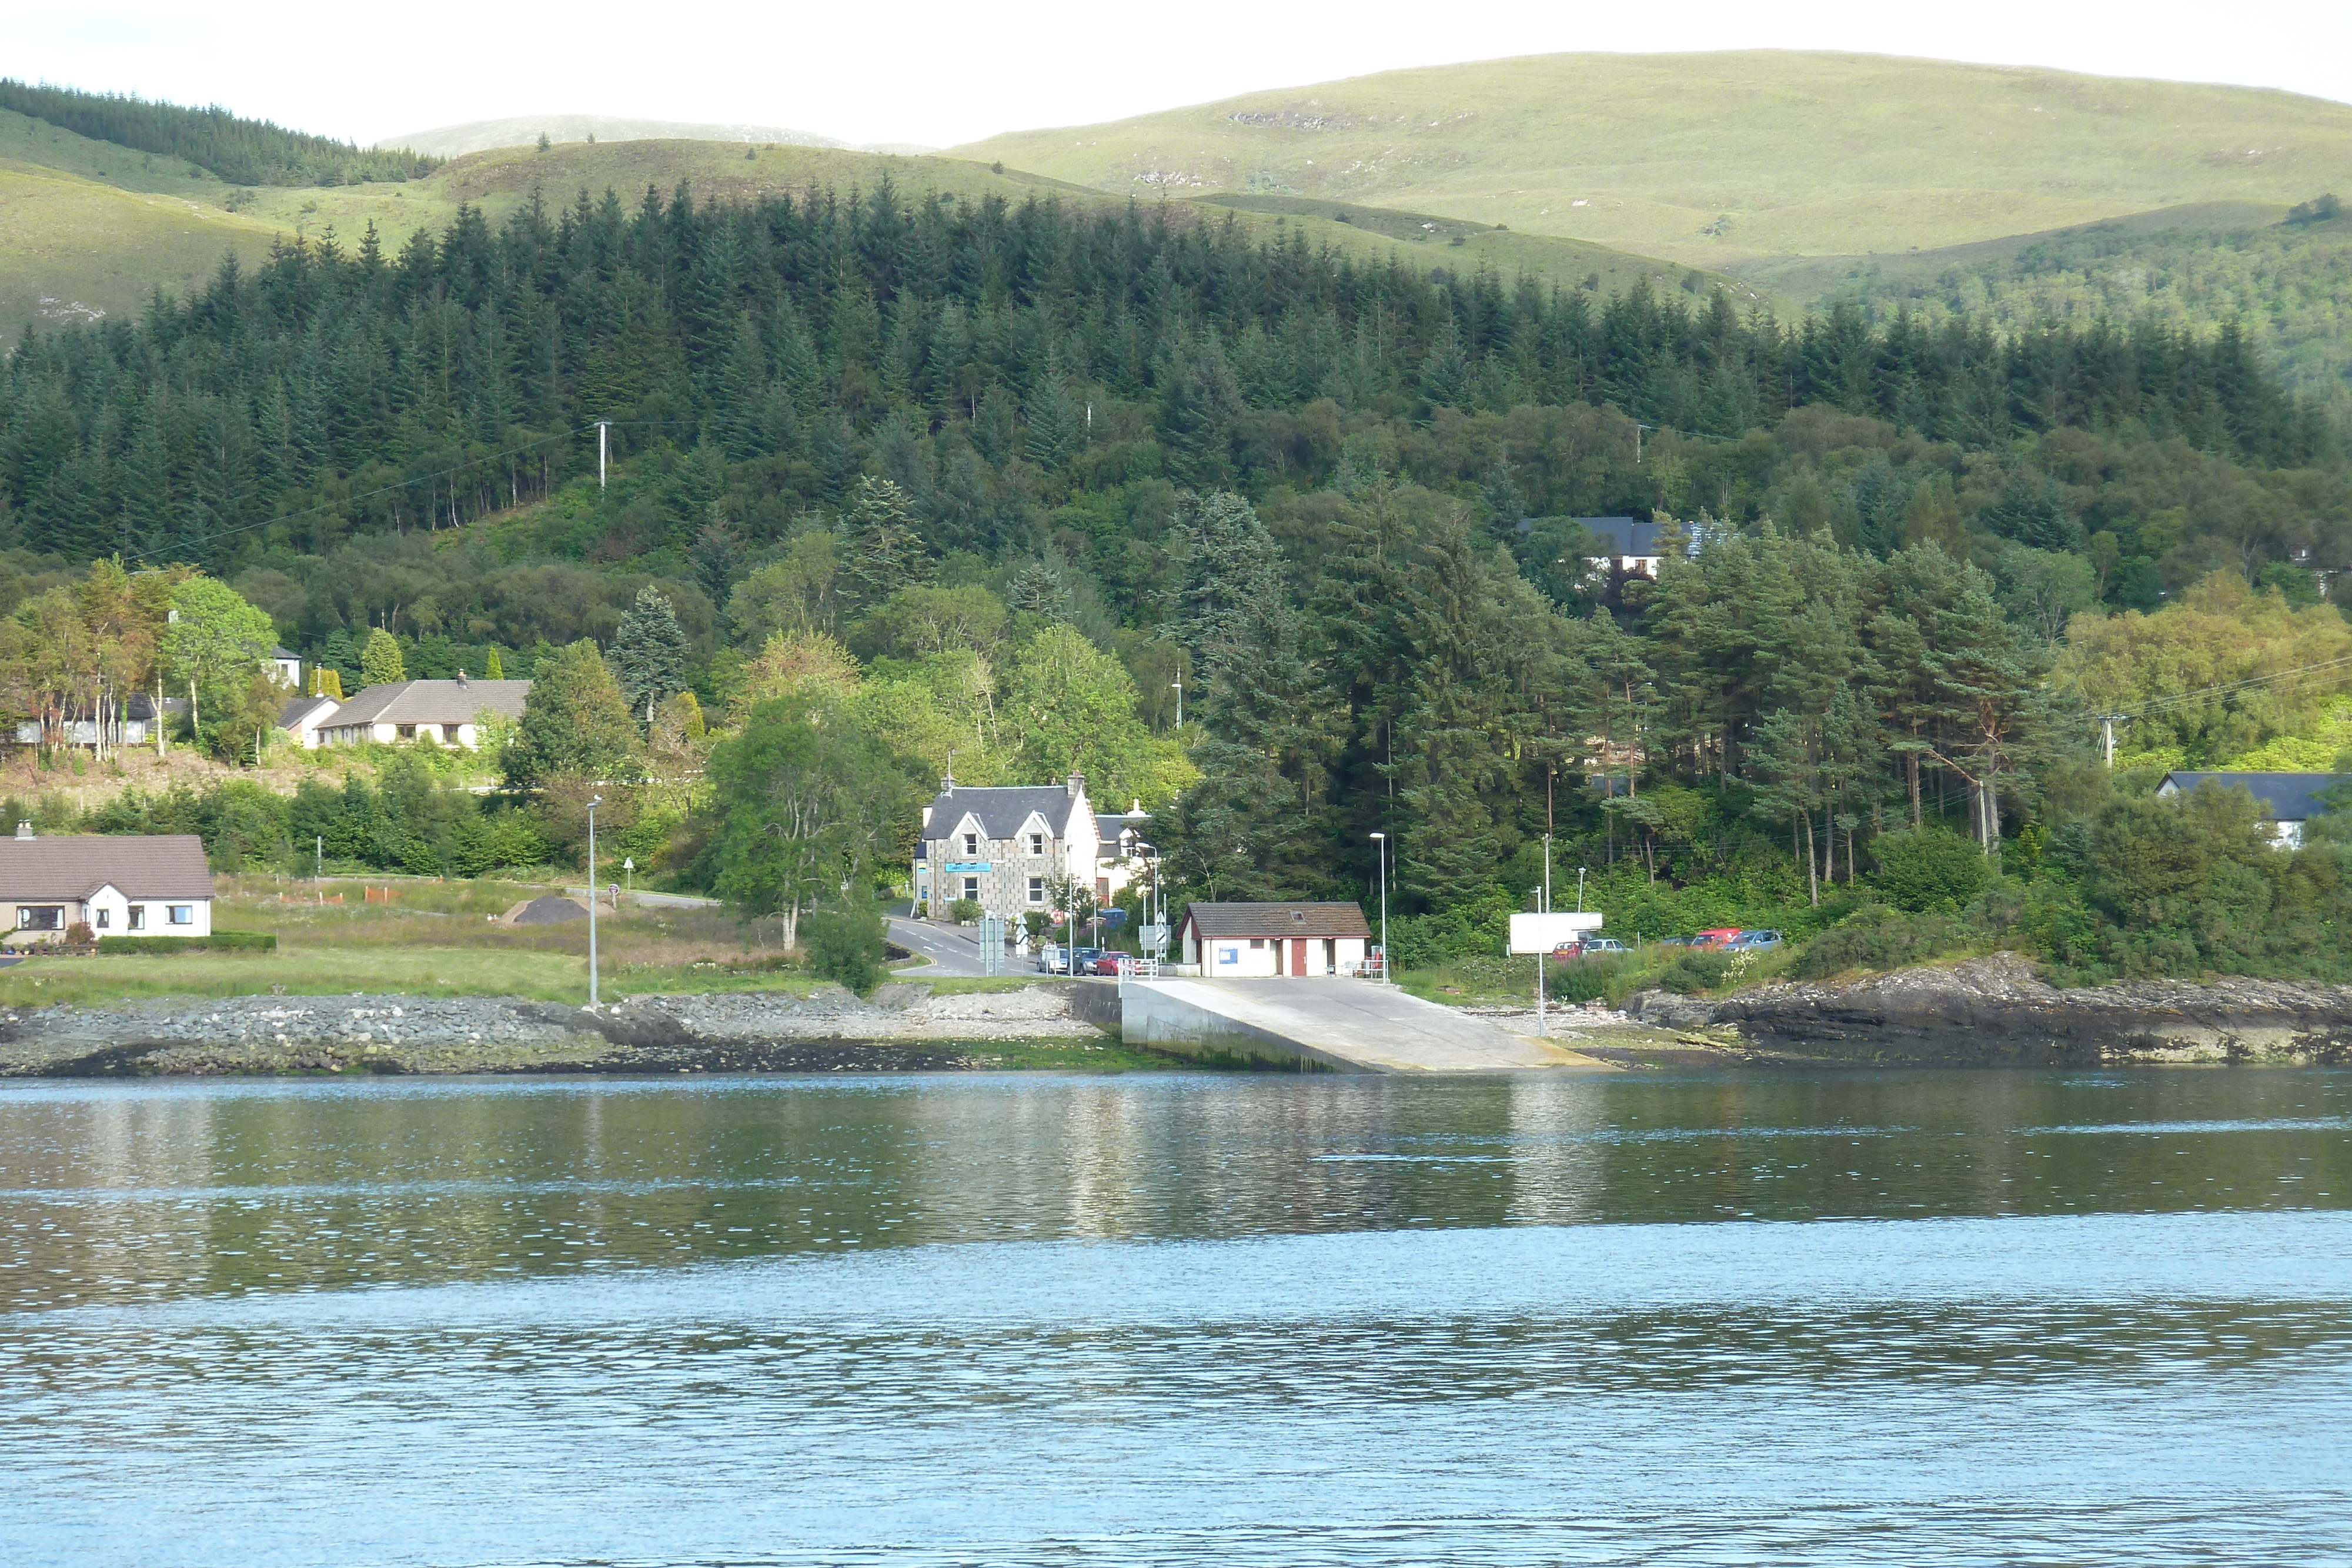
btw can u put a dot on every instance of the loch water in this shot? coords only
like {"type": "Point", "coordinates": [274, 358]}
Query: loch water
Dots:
{"type": "Point", "coordinates": [1826, 1318]}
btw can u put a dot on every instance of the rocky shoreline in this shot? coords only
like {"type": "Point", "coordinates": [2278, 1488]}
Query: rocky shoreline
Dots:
{"type": "Point", "coordinates": [903, 1026]}
{"type": "Point", "coordinates": [1996, 1011]}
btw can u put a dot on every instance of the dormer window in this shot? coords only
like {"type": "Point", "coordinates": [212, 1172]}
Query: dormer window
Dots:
{"type": "Point", "coordinates": [1298, 918]}
{"type": "Point", "coordinates": [1036, 843]}
{"type": "Point", "coordinates": [972, 844]}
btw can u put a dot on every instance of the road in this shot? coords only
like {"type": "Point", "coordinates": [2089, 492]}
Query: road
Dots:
{"type": "Point", "coordinates": [650, 900]}
{"type": "Point", "coordinates": [949, 948]}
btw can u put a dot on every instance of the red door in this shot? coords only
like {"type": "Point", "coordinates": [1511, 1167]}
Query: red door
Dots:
{"type": "Point", "coordinates": [1298, 956]}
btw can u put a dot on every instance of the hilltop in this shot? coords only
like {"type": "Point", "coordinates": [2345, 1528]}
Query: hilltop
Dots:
{"type": "Point", "coordinates": [1722, 159]}
{"type": "Point", "coordinates": [525, 129]}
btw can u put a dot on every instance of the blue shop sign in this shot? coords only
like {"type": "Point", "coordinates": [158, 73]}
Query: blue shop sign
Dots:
{"type": "Point", "coordinates": [966, 868]}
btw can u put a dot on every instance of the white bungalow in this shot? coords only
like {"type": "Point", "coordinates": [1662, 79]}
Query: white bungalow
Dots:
{"type": "Point", "coordinates": [117, 884]}
{"type": "Point", "coordinates": [1260, 941]}
{"type": "Point", "coordinates": [2291, 799]}
{"type": "Point", "coordinates": [302, 716]}
{"type": "Point", "coordinates": [448, 711]}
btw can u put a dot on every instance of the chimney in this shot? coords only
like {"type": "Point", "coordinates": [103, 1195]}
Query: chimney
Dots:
{"type": "Point", "coordinates": [24, 829]}
{"type": "Point", "coordinates": [947, 783]}
{"type": "Point", "coordinates": [1077, 785]}
{"type": "Point", "coordinates": [461, 680]}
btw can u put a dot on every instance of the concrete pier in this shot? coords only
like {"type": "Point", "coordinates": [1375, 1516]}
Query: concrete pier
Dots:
{"type": "Point", "coordinates": [1340, 1025]}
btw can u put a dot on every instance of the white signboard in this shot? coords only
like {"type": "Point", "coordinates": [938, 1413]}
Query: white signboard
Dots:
{"type": "Point", "coordinates": [1544, 932]}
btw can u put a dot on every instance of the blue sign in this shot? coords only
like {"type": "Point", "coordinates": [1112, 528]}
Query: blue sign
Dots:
{"type": "Point", "coordinates": [960, 868]}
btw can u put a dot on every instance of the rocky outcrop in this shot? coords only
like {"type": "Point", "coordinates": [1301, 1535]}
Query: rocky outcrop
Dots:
{"type": "Point", "coordinates": [1997, 1011]}
{"type": "Point", "coordinates": [902, 1025]}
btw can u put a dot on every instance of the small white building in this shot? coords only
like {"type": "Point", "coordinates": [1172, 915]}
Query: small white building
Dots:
{"type": "Point", "coordinates": [447, 712]}
{"type": "Point", "coordinates": [290, 667]}
{"type": "Point", "coordinates": [301, 718]}
{"type": "Point", "coordinates": [1008, 848]}
{"type": "Point", "coordinates": [2291, 799]}
{"type": "Point", "coordinates": [1260, 941]}
{"type": "Point", "coordinates": [1122, 854]}
{"type": "Point", "coordinates": [118, 884]}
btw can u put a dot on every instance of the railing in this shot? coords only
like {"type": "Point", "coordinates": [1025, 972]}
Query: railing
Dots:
{"type": "Point", "coordinates": [1131, 968]}
{"type": "Point", "coordinates": [1374, 966]}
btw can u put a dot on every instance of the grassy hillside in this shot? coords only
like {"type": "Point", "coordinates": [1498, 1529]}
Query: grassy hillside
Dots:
{"type": "Point", "coordinates": [76, 249]}
{"type": "Point", "coordinates": [2288, 285]}
{"type": "Point", "coordinates": [1717, 159]}
{"type": "Point", "coordinates": [525, 129]}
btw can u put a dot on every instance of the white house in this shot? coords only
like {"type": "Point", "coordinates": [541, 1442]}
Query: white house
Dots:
{"type": "Point", "coordinates": [449, 712]}
{"type": "Point", "coordinates": [1121, 852]}
{"type": "Point", "coordinates": [290, 667]}
{"type": "Point", "coordinates": [2291, 799]}
{"type": "Point", "coordinates": [1006, 847]}
{"type": "Point", "coordinates": [1260, 941]}
{"type": "Point", "coordinates": [301, 718]}
{"type": "Point", "coordinates": [118, 884]}
{"type": "Point", "coordinates": [131, 724]}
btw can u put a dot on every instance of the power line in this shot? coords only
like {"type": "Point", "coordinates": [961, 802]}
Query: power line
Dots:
{"type": "Point", "coordinates": [2341, 667]}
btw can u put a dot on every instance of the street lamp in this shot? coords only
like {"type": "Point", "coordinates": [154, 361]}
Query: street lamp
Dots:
{"type": "Point", "coordinates": [594, 801]}
{"type": "Point", "coordinates": [1180, 702]}
{"type": "Point", "coordinates": [1383, 840]}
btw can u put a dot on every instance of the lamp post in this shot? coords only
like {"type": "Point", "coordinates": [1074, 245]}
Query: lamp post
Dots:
{"type": "Point", "coordinates": [1383, 840]}
{"type": "Point", "coordinates": [1180, 702]}
{"type": "Point", "coordinates": [594, 801]}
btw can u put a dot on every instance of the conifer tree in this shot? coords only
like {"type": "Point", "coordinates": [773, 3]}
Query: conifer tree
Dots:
{"type": "Point", "coordinates": [649, 654]}
{"type": "Point", "coordinates": [380, 660]}
{"type": "Point", "coordinates": [882, 550]}
{"type": "Point", "coordinates": [493, 667]}
{"type": "Point", "coordinates": [575, 721]}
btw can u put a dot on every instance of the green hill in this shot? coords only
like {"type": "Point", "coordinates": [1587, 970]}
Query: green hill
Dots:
{"type": "Point", "coordinates": [1717, 159]}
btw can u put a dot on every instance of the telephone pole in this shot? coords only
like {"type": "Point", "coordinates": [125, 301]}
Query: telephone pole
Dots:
{"type": "Point", "coordinates": [602, 425]}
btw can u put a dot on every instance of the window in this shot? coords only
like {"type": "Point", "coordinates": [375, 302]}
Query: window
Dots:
{"type": "Point", "coordinates": [1036, 890]}
{"type": "Point", "coordinates": [405, 731]}
{"type": "Point", "coordinates": [138, 917]}
{"type": "Point", "coordinates": [102, 918]}
{"type": "Point", "coordinates": [1257, 944]}
{"type": "Point", "coordinates": [972, 844]}
{"type": "Point", "coordinates": [184, 915]}
{"type": "Point", "coordinates": [41, 918]}
{"type": "Point", "coordinates": [1036, 843]}
{"type": "Point", "coordinates": [971, 888]}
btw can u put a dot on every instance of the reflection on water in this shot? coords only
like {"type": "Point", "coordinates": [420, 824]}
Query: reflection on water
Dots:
{"type": "Point", "coordinates": [2066, 1318]}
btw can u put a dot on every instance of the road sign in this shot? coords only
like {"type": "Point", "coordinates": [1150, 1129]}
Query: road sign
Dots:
{"type": "Point", "coordinates": [1154, 937]}
{"type": "Point", "coordinates": [1543, 933]}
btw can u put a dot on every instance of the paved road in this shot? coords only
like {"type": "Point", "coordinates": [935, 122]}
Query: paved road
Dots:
{"type": "Point", "coordinates": [650, 900]}
{"type": "Point", "coordinates": [949, 948]}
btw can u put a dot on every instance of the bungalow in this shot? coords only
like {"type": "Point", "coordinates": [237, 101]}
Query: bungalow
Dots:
{"type": "Point", "coordinates": [1255, 941]}
{"type": "Point", "coordinates": [1006, 847]}
{"type": "Point", "coordinates": [155, 885]}
{"type": "Point", "coordinates": [449, 712]}
{"type": "Point", "coordinates": [131, 724]}
{"type": "Point", "coordinates": [2292, 799]}
{"type": "Point", "coordinates": [302, 716]}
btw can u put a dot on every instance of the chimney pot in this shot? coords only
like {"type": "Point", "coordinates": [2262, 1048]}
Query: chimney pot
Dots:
{"type": "Point", "coordinates": [24, 829]}
{"type": "Point", "coordinates": [1077, 785]}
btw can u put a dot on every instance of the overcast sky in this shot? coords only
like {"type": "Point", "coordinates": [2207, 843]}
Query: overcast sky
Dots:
{"type": "Point", "coordinates": [938, 73]}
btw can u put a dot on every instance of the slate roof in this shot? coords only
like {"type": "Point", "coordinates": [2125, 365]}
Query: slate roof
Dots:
{"type": "Point", "coordinates": [1214, 920]}
{"type": "Point", "coordinates": [294, 713]}
{"type": "Point", "coordinates": [71, 866]}
{"type": "Point", "coordinates": [2290, 795]}
{"type": "Point", "coordinates": [1628, 536]}
{"type": "Point", "coordinates": [1002, 809]}
{"type": "Point", "coordinates": [432, 702]}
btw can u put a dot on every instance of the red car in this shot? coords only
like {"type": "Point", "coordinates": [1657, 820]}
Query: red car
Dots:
{"type": "Point", "coordinates": [1722, 936]}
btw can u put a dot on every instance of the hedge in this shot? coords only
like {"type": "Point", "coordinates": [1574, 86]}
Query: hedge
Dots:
{"type": "Point", "coordinates": [218, 941]}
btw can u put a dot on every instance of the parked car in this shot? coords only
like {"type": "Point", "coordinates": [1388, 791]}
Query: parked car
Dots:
{"type": "Point", "coordinates": [1589, 948]}
{"type": "Point", "coordinates": [1053, 960]}
{"type": "Point", "coordinates": [1105, 961]}
{"type": "Point", "coordinates": [1753, 942]}
{"type": "Point", "coordinates": [1721, 936]}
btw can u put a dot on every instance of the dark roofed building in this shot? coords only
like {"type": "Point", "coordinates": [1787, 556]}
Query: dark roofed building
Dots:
{"type": "Point", "coordinates": [1007, 848]}
{"type": "Point", "coordinates": [1257, 941]}
{"type": "Point", "coordinates": [302, 716]}
{"type": "Point", "coordinates": [117, 883]}
{"type": "Point", "coordinates": [2292, 799]}
{"type": "Point", "coordinates": [449, 712]}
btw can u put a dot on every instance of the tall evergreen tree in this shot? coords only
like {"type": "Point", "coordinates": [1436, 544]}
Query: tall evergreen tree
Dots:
{"type": "Point", "coordinates": [650, 655]}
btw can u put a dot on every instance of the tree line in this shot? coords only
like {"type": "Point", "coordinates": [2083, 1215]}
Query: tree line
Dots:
{"type": "Point", "coordinates": [240, 151]}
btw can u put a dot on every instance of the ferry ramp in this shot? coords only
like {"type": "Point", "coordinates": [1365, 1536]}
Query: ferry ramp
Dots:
{"type": "Point", "coordinates": [1341, 1025]}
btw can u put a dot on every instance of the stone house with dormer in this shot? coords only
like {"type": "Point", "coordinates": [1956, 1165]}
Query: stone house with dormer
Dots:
{"type": "Point", "coordinates": [1006, 847]}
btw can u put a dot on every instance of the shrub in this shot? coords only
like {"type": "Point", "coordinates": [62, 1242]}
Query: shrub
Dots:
{"type": "Point", "coordinates": [847, 946]}
{"type": "Point", "coordinates": [1584, 979]}
{"type": "Point", "coordinates": [1928, 868]}
{"type": "Point", "coordinates": [964, 911]}
{"type": "Point", "coordinates": [79, 934]}
{"type": "Point", "coordinates": [1880, 938]}
{"type": "Point", "coordinates": [218, 941]}
{"type": "Point", "coordinates": [1699, 969]}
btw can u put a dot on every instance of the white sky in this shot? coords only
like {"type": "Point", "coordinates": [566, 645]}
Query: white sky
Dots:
{"type": "Point", "coordinates": [939, 73]}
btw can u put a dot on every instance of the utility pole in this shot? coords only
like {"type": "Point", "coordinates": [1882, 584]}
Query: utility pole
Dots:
{"type": "Point", "coordinates": [1580, 890]}
{"type": "Point", "coordinates": [1180, 702]}
{"type": "Point", "coordinates": [602, 426]}
{"type": "Point", "coordinates": [2107, 722]}
{"type": "Point", "coordinates": [594, 801]}
{"type": "Point", "coordinates": [1383, 840]}
{"type": "Point", "coordinates": [1546, 904]}
{"type": "Point", "coordinates": [319, 861]}
{"type": "Point", "coordinates": [1541, 960]}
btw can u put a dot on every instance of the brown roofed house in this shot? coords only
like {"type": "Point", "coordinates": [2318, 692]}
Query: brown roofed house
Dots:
{"type": "Point", "coordinates": [117, 883]}
{"type": "Point", "coordinates": [1260, 941]}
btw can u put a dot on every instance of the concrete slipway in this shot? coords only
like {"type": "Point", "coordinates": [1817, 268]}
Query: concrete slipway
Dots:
{"type": "Point", "coordinates": [1346, 1025]}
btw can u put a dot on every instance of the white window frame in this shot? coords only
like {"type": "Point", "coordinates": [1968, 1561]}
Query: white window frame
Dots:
{"type": "Point", "coordinates": [972, 844]}
{"type": "Point", "coordinates": [138, 921]}
{"type": "Point", "coordinates": [1037, 890]}
{"type": "Point", "coordinates": [182, 914]}
{"type": "Point", "coordinates": [102, 918]}
{"type": "Point", "coordinates": [971, 888]}
{"type": "Point", "coordinates": [1036, 843]}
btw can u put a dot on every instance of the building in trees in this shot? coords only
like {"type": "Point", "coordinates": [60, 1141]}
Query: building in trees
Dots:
{"type": "Point", "coordinates": [449, 712]}
{"type": "Point", "coordinates": [2291, 799]}
{"type": "Point", "coordinates": [1012, 849]}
